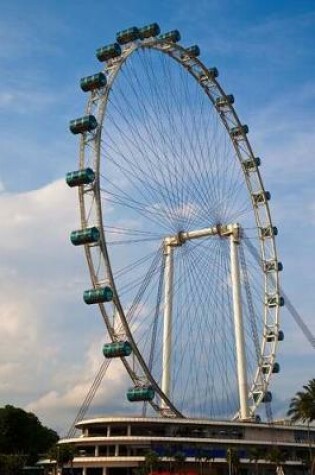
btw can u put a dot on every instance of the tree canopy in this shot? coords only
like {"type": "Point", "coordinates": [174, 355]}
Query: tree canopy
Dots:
{"type": "Point", "coordinates": [21, 433]}
{"type": "Point", "coordinates": [302, 406]}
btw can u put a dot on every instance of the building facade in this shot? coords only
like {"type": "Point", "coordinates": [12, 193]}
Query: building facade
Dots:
{"type": "Point", "coordinates": [120, 446]}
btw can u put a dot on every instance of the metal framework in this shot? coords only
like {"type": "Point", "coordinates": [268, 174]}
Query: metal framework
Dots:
{"type": "Point", "coordinates": [98, 258]}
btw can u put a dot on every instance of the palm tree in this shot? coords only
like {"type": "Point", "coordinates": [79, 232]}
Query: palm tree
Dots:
{"type": "Point", "coordinates": [233, 460]}
{"type": "Point", "coordinates": [151, 462]}
{"type": "Point", "coordinates": [302, 408]}
{"type": "Point", "coordinates": [179, 459]}
{"type": "Point", "coordinates": [256, 453]}
{"type": "Point", "coordinates": [276, 456]}
{"type": "Point", "coordinates": [201, 458]}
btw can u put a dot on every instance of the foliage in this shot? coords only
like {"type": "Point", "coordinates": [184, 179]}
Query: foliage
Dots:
{"type": "Point", "coordinates": [179, 460]}
{"type": "Point", "coordinates": [63, 454]}
{"type": "Point", "coordinates": [256, 453]}
{"type": "Point", "coordinates": [11, 464]}
{"type": "Point", "coordinates": [233, 460]}
{"type": "Point", "coordinates": [151, 461]}
{"type": "Point", "coordinates": [276, 456]}
{"type": "Point", "coordinates": [302, 406]}
{"type": "Point", "coordinates": [21, 433]}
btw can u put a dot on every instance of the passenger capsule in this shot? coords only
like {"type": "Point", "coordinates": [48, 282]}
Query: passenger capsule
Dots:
{"type": "Point", "coordinates": [149, 31]}
{"type": "Point", "coordinates": [239, 131]}
{"type": "Point", "coordinates": [140, 393]}
{"type": "Point", "coordinates": [273, 266]}
{"type": "Point", "coordinates": [117, 349]}
{"type": "Point", "coordinates": [275, 301]}
{"type": "Point", "coordinates": [192, 51]}
{"type": "Point", "coordinates": [99, 295]}
{"type": "Point", "coordinates": [83, 124]}
{"type": "Point", "coordinates": [85, 236]}
{"type": "Point", "coordinates": [85, 176]}
{"type": "Point", "coordinates": [224, 100]}
{"type": "Point", "coordinates": [271, 336]}
{"type": "Point", "coordinates": [108, 52]}
{"type": "Point", "coordinates": [261, 197]}
{"type": "Point", "coordinates": [251, 164]}
{"type": "Point", "coordinates": [213, 73]}
{"type": "Point", "coordinates": [126, 36]}
{"type": "Point", "coordinates": [275, 368]}
{"type": "Point", "coordinates": [269, 231]}
{"type": "Point", "coordinates": [90, 83]}
{"type": "Point", "coordinates": [171, 36]}
{"type": "Point", "coordinates": [280, 335]}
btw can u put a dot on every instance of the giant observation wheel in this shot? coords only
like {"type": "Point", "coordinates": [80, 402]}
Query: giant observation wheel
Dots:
{"type": "Point", "coordinates": [177, 230]}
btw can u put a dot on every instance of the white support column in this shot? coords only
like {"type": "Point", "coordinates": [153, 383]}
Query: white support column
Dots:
{"type": "Point", "coordinates": [167, 323]}
{"type": "Point", "coordinates": [238, 326]}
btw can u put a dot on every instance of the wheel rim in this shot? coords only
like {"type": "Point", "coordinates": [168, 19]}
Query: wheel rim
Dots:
{"type": "Point", "coordinates": [131, 116]}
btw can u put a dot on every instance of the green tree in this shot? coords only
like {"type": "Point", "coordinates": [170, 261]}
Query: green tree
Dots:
{"type": "Point", "coordinates": [201, 457]}
{"type": "Point", "coordinates": [276, 456]}
{"type": "Point", "coordinates": [151, 462]}
{"type": "Point", "coordinates": [302, 405]}
{"type": "Point", "coordinates": [62, 454]}
{"type": "Point", "coordinates": [11, 464]}
{"type": "Point", "coordinates": [233, 461]}
{"type": "Point", "coordinates": [179, 459]}
{"type": "Point", "coordinates": [302, 408]}
{"type": "Point", "coordinates": [256, 453]}
{"type": "Point", "coordinates": [21, 433]}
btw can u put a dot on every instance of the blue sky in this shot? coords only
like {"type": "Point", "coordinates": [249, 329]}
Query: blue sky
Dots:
{"type": "Point", "coordinates": [266, 57]}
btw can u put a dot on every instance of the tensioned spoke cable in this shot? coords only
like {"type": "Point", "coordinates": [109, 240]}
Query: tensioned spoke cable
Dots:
{"type": "Point", "coordinates": [89, 397]}
{"type": "Point", "coordinates": [165, 137]}
{"type": "Point", "coordinates": [203, 291]}
{"type": "Point", "coordinates": [191, 289]}
{"type": "Point", "coordinates": [146, 183]}
{"type": "Point", "coordinates": [155, 123]}
{"type": "Point", "coordinates": [187, 157]}
{"type": "Point", "coordinates": [170, 166]}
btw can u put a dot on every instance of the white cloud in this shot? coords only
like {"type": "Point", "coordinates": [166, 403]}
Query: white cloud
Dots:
{"type": "Point", "coordinates": [59, 406]}
{"type": "Point", "coordinates": [50, 342]}
{"type": "Point", "coordinates": [48, 345]}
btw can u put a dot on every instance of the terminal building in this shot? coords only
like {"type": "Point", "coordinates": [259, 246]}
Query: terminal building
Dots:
{"type": "Point", "coordinates": [120, 446]}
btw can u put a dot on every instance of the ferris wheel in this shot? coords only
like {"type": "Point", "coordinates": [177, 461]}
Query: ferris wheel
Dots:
{"type": "Point", "coordinates": [173, 216]}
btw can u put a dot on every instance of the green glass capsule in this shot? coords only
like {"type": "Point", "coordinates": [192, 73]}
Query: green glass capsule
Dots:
{"type": "Point", "coordinates": [85, 236]}
{"type": "Point", "coordinates": [117, 349]}
{"type": "Point", "coordinates": [91, 83]}
{"type": "Point", "coordinates": [83, 124]}
{"type": "Point", "coordinates": [140, 393]}
{"type": "Point", "coordinates": [126, 36]}
{"type": "Point", "coordinates": [149, 31]}
{"type": "Point", "coordinates": [108, 52]}
{"type": "Point", "coordinates": [99, 295]}
{"type": "Point", "coordinates": [85, 176]}
{"type": "Point", "coordinates": [171, 36]}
